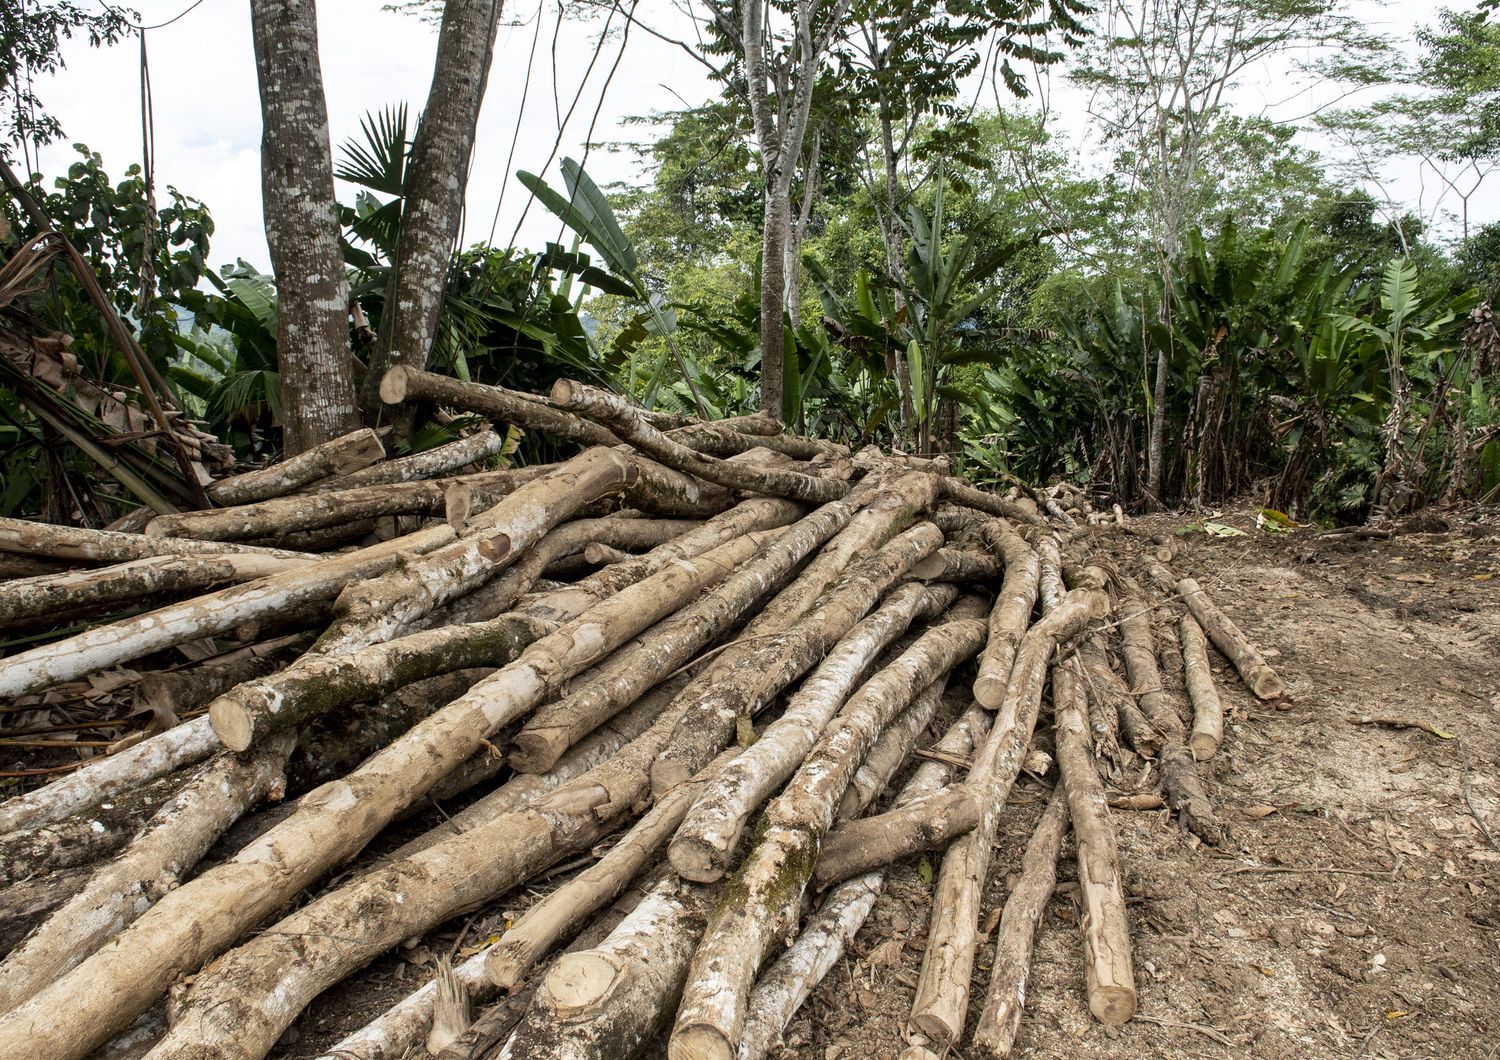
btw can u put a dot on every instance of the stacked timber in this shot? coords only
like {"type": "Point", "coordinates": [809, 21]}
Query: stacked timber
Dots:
{"type": "Point", "coordinates": [725, 674]}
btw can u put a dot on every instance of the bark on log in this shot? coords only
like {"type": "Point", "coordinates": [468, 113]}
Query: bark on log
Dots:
{"type": "Point", "coordinates": [741, 686]}
{"type": "Point", "coordinates": [719, 817]}
{"type": "Point", "coordinates": [1258, 676]}
{"type": "Point", "coordinates": [787, 983]}
{"type": "Point", "coordinates": [609, 1001]}
{"type": "Point", "coordinates": [1011, 613]}
{"type": "Point", "coordinates": [1208, 710]}
{"type": "Point", "coordinates": [550, 921]}
{"type": "Point", "coordinates": [958, 565]}
{"type": "Point", "coordinates": [714, 438]}
{"type": "Point", "coordinates": [943, 987]}
{"type": "Point", "coordinates": [378, 609]}
{"type": "Point", "coordinates": [427, 464]}
{"type": "Point", "coordinates": [156, 861]}
{"type": "Point", "coordinates": [103, 587]}
{"type": "Point", "coordinates": [928, 823]}
{"type": "Point", "coordinates": [25, 905]}
{"type": "Point", "coordinates": [286, 515]}
{"type": "Point", "coordinates": [672, 643]}
{"type": "Point", "coordinates": [338, 456]}
{"type": "Point", "coordinates": [995, 1034]}
{"type": "Point", "coordinates": [624, 420]}
{"type": "Point", "coordinates": [109, 546]}
{"type": "Point", "coordinates": [179, 691]}
{"type": "Point", "coordinates": [100, 996]}
{"type": "Point", "coordinates": [103, 778]}
{"type": "Point", "coordinates": [203, 616]}
{"type": "Point", "coordinates": [83, 838]}
{"type": "Point", "coordinates": [660, 489]}
{"type": "Point", "coordinates": [960, 492]}
{"type": "Point", "coordinates": [765, 895]}
{"type": "Point", "coordinates": [1111, 707]}
{"type": "Point", "coordinates": [890, 752]}
{"type": "Point", "coordinates": [1105, 924]}
{"type": "Point", "coordinates": [317, 684]}
{"type": "Point", "coordinates": [1179, 769]}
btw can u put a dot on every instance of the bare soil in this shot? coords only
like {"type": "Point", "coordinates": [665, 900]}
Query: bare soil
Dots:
{"type": "Point", "coordinates": [1354, 909]}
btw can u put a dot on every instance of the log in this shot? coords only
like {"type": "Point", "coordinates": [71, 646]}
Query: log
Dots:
{"type": "Point", "coordinates": [550, 920]}
{"type": "Point", "coordinates": [108, 546]}
{"type": "Point", "coordinates": [1257, 674]}
{"type": "Point", "coordinates": [741, 687]}
{"type": "Point", "coordinates": [928, 823]}
{"type": "Point", "coordinates": [178, 691]}
{"type": "Point", "coordinates": [25, 905]}
{"type": "Point", "coordinates": [958, 565]}
{"type": "Point", "coordinates": [102, 778]}
{"type": "Point", "coordinates": [317, 684]}
{"type": "Point", "coordinates": [939, 1008]}
{"type": "Point", "coordinates": [674, 642]}
{"type": "Point", "coordinates": [611, 1000]}
{"type": "Point", "coordinates": [203, 616]}
{"type": "Point", "coordinates": [105, 992]}
{"type": "Point", "coordinates": [1179, 769]}
{"type": "Point", "coordinates": [317, 511]}
{"type": "Point", "coordinates": [104, 587]}
{"type": "Point", "coordinates": [1011, 613]}
{"type": "Point", "coordinates": [1110, 701]}
{"type": "Point", "coordinates": [764, 897]}
{"type": "Point", "coordinates": [1105, 924]}
{"type": "Point", "coordinates": [714, 438]}
{"type": "Point", "coordinates": [339, 456]}
{"type": "Point", "coordinates": [156, 861]}
{"type": "Point", "coordinates": [625, 422]}
{"type": "Point", "coordinates": [890, 752]}
{"type": "Point", "coordinates": [780, 991]}
{"type": "Point", "coordinates": [429, 463]}
{"type": "Point", "coordinates": [377, 609]}
{"type": "Point", "coordinates": [83, 838]}
{"type": "Point", "coordinates": [13, 565]}
{"type": "Point", "coordinates": [659, 489]}
{"type": "Point", "coordinates": [995, 1034]}
{"type": "Point", "coordinates": [718, 818]}
{"type": "Point", "coordinates": [1208, 709]}
{"type": "Point", "coordinates": [960, 492]}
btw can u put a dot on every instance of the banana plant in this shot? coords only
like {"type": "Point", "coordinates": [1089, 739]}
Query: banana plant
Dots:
{"type": "Point", "coordinates": [586, 211]}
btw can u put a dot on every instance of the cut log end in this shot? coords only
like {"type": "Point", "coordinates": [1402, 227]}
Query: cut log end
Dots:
{"type": "Point", "coordinates": [232, 723]}
{"type": "Point", "coordinates": [699, 1042]}
{"type": "Point", "coordinates": [563, 392]}
{"type": "Point", "coordinates": [989, 691]}
{"type": "Point", "coordinates": [537, 750]}
{"type": "Point", "coordinates": [579, 981]}
{"type": "Point", "coordinates": [505, 966]}
{"type": "Point", "coordinates": [393, 385]}
{"type": "Point", "coordinates": [935, 1028]}
{"type": "Point", "coordinates": [1203, 746]}
{"type": "Point", "coordinates": [1268, 685]}
{"type": "Point", "coordinates": [695, 860]}
{"type": "Point", "coordinates": [1112, 1005]}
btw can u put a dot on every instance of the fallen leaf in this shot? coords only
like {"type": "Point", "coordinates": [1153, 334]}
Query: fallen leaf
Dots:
{"type": "Point", "coordinates": [887, 954]}
{"type": "Point", "coordinates": [1223, 530]}
{"type": "Point", "coordinates": [744, 731]}
{"type": "Point", "coordinates": [1421, 579]}
{"type": "Point", "coordinates": [924, 870]}
{"type": "Point", "coordinates": [1258, 811]}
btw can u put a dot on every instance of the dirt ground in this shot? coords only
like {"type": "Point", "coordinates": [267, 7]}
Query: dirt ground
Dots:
{"type": "Point", "coordinates": [1354, 909]}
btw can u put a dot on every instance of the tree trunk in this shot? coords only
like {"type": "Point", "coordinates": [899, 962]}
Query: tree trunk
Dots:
{"type": "Point", "coordinates": [437, 173]}
{"type": "Point", "coordinates": [302, 227]}
{"type": "Point", "coordinates": [1156, 448]}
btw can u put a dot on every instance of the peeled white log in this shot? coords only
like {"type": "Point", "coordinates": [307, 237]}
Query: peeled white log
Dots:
{"type": "Point", "coordinates": [1011, 613]}
{"type": "Point", "coordinates": [101, 778]}
{"type": "Point", "coordinates": [890, 752]}
{"type": "Point", "coordinates": [1208, 709]}
{"type": "Point", "coordinates": [339, 456]}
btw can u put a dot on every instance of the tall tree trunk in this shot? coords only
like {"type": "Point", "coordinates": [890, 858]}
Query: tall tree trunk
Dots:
{"type": "Point", "coordinates": [302, 226]}
{"type": "Point", "coordinates": [1155, 453]}
{"type": "Point", "coordinates": [778, 215]}
{"type": "Point", "coordinates": [436, 177]}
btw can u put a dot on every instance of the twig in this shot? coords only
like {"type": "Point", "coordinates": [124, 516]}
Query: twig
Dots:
{"type": "Point", "coordinates": [1468, 801]}
{"type": "Point", "coordinates": [1203, 1029]}
{"type": "Point", "coordinates": [1309, 868]}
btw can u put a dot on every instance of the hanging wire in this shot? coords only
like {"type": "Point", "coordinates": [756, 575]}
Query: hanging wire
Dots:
{"type": "Point", "coordinates": [148, 173]}
{"type": "Point", "coordinates": [510, 155]}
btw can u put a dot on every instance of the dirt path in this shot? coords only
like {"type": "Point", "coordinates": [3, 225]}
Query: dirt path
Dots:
{"type": "Point", "coordinates": [1355, 910]}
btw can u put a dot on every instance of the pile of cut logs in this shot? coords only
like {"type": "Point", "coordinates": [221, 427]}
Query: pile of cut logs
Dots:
{"type": "Point", "coordinates": [724, 674]}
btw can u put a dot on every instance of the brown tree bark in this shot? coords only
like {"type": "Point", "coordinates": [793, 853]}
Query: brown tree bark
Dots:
{"type": "Point", "coordinates": [437, 174]}
{"type": "Point", "coordinates": [302, 227]}
{"type": "Point", "coordinates": [339, 456]}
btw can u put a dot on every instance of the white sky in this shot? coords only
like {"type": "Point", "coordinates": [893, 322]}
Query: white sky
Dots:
{"type": "Point", "coordinates": [207, 115]}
